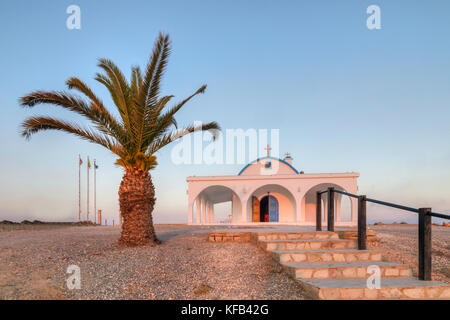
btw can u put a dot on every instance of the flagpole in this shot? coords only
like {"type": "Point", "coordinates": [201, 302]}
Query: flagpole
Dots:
{"type": "Point", "coordinates": [87, 219]}
{"type": "Point", "coordinates": [79, 189]}
{"type": "Point", "coordinates": [95, 189]}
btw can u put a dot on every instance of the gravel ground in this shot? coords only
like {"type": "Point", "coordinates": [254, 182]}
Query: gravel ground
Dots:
{"type": "Point", "coordinates": [34, 260]}
{"type": "Point", "coordinates": [399, 244]}
{"type": "Point", "coordinates": [33, 265]}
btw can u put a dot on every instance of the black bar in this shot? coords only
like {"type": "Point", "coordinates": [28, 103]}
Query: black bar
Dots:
{"type": "Point", "coordinates": [393, 205]}
{"type": "Point", "coordinates": [424, 244]}
{"type": "Point", "coordinates": [330, 209]}
{"type": "Point", "coordinates": [362, 225]}
{"type": "Point", "coordinates": [439, 215]}
{"type": "Point", "coordinates": [346, 193]}
{"type": "Point", "coordinates": [318, 211]}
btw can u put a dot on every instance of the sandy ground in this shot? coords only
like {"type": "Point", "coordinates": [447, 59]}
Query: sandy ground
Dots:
{"type": "Point", "coordinates": [34, 261]}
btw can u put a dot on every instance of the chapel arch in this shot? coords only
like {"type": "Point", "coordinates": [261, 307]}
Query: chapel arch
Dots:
{"type": "Point", "coordinates": [343, 204]}
{"type": "Point", "coordinates": [284, 200]}
{"type": "Point", "coordinates": [216, 203]}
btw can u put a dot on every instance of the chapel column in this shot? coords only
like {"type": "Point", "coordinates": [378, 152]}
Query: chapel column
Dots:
{"type": "Point", "coordinates": [212, 213]}
{"type": "Point", "coordinates": [190, 212]}
{"type": "Point", "coordinates": [244, 210]}
{"type": "Point", "coordinates": [337, 207]}
{"type": "Point", "coordinates": [325, 212]}
{"type": "Point", "coordinates": [204, 211]}
{"type": "Point", "coordinates": [234, 211]}
{"type": "Point", "coordinates": [208, 212]}
{"type": "Point", "coordinates": [300, 214]}
{"type": "Point", "coordinates": [210, 220]}
{"type": "Point", "coordinates": [197, 211]}
{"type": "Point", "coordinates": [354, 202]}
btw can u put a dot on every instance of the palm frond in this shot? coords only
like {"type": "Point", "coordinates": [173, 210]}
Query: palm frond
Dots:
{"type": "Point", "coordinates": [33, 125]}
{"type": "Point", "coordinates": [118, 87]}
{"type": "Point", "coordinates": [58, 98]}
{"type": "Point", "coordinates": [161, 142]}
{"type": "Point", "coordinates": [136, 81]}
{"type": "Point", "coordinates": [98, 109]}
{"type": "Point", "coordinates": [171, 112]}
{"type": "Point", "coordinates": [75, 83]}
{"type": "Point", "coordinates": [156, 125]}
{"type": "Point", "coordinates": [154, 70]}
{"type": "Point", "coordinates": [155, 84]}
{"type": "Point", "coordinates": [147, 100]}
{"type": "Point", "coordinates": [99, 115]}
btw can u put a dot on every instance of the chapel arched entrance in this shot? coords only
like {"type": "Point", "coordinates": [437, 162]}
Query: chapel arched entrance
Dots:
{"type": "Point", "coordinates": [265, 209]}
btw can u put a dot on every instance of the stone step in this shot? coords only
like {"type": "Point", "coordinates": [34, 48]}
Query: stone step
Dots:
{"type": "Point", "coordinates": [390, 288]}
{"type": "Point", "coordinates": [338, 270]}
{"type": "Point", "coordinates": [371, 235]}
{"type": "Point", "coordinates": [296, 235]}
{"type": "Point", "coordinates": [295, 245]}
{"type": "Point", "coordinates": [348, 255]}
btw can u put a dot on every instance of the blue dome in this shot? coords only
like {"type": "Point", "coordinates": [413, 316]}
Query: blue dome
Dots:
{"type": "Point", "coordinates": [273, 158]}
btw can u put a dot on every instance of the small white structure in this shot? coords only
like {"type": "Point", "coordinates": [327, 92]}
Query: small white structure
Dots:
{"type": "Point", "coordinates": [271, 190]}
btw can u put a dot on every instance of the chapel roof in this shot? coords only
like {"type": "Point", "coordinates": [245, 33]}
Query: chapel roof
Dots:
{"type": "Point", "coordinates": [293, 170]}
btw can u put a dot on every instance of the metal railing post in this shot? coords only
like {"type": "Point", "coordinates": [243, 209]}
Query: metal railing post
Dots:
{"type": "Point", "coordinates": [362, 225]}
{"type": "Point", "coordinates": [318, 211]}
{"type": "Point", "coordinates": [424, 244]}
{"type": "Point", "coordinates": [330, 209]}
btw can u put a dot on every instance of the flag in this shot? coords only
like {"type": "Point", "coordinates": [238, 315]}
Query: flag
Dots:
{"type": "Point", "coordinates": [95, 166]}
{"type": "Point", "coordinates": [89, 163]}
{"type": "Point", "coordinates": [81, 161]}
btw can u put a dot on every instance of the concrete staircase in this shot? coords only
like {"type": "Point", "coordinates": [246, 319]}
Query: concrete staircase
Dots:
{"type": "Point", "coordinates": [331, 268]}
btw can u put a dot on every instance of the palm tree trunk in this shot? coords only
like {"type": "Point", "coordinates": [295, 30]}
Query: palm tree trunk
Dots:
{"type": "Point", "coordinates": [137, 198]}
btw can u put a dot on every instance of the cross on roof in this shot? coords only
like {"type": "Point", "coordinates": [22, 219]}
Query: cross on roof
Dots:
{"type": "Point", "coordinates": [268, 148]}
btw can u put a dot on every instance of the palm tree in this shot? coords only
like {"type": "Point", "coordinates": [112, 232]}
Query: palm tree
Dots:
{"type": "Point", "coordinates": [144, 127]}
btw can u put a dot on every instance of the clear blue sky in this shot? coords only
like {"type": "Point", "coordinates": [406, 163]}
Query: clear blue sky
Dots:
{"type": "Point", "coordinates": [345, 98]}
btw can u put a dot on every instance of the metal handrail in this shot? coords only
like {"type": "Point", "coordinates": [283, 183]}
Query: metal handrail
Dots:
{"type": "Point", "coordinates": [390, 204]}
{"type": "Point", "coordinates": [393, 205]}
{"type": "Point", "coordinates": [346, 193]}
{"type": "Point", "coordinates": [425, 214]}
{"type": "Point", "coordinates": [439, 215]}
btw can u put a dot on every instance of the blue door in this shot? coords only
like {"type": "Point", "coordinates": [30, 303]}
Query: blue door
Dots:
{"type": "Point", "coordinates": [273, 209]}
